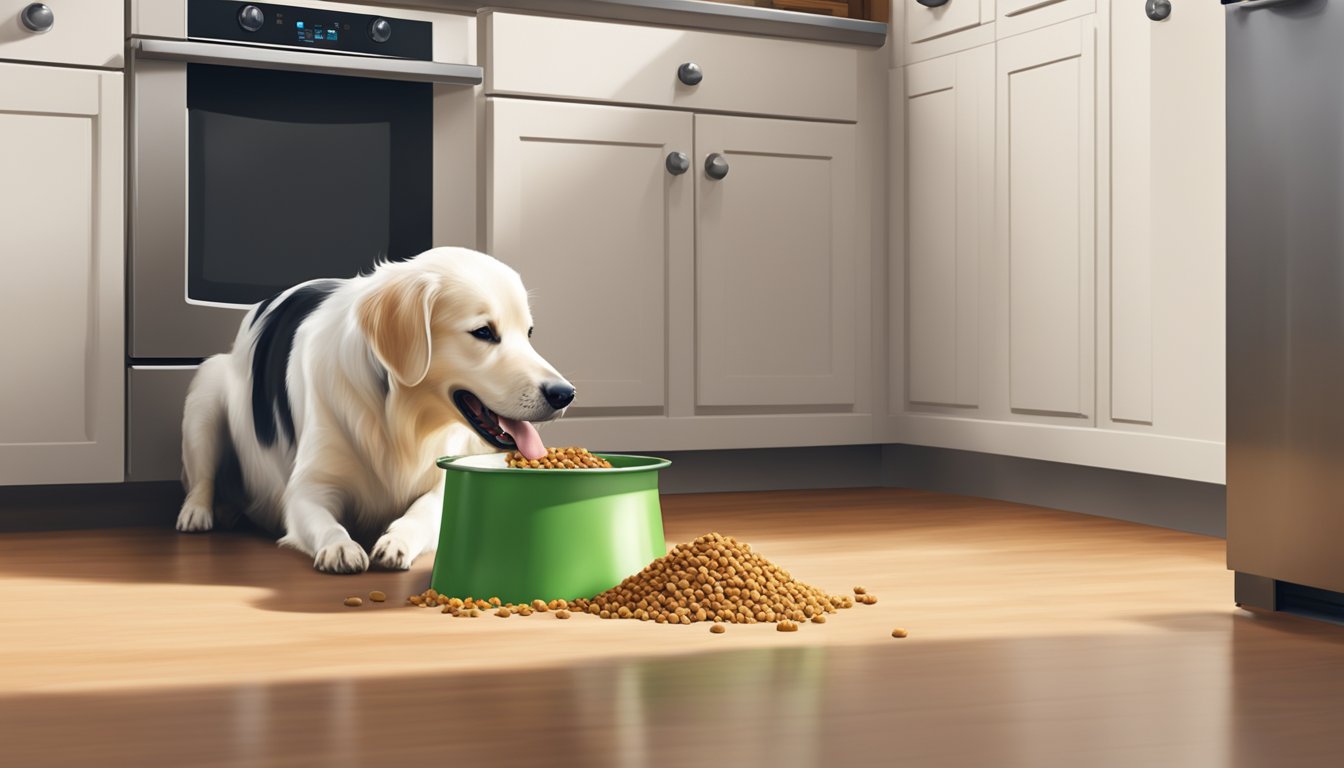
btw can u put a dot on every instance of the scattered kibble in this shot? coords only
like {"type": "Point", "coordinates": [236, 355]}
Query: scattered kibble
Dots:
{"type": "Point", "coordinates": [898, 632]}
{"type": "Point", "coordinates": [572, 457]}
{"type": "Point", "coordinates": [562, 614]}
{"type": "Point", "coordinates": [819, 619]}
{"type": "Point", "coordinates": [503, 613]}
{"type": "Point", "coordinates": [860, 591]}
{"type": "Point", "coordinates": [377, 596]}
{"type": "Point", "coordinates": [718, 629]}
{"type": "Point", "coordinates": [786, 626]}
{"type": "Point", "coordinates": [353, 602]}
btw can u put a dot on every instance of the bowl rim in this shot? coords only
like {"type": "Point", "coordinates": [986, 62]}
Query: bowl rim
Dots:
{"type": "Point", "coordinates": [655, 463]}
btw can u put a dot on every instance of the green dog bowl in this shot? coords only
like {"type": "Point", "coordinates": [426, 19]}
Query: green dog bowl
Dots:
{"type": "Point", "coordinates": [528, 534]}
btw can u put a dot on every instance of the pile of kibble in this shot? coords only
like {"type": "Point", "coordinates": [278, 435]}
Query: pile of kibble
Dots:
{"type": "Point", "coordinates": [715, 578]}
{"type": "Point", "coordinates": [558, 458]}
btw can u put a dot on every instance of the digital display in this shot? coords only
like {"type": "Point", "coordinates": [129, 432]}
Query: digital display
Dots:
{"type": "Point", "coordinates": [309, 32]}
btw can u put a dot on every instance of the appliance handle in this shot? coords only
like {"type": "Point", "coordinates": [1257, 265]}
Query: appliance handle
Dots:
{"type": "Point", "coordinates": [305, 61]}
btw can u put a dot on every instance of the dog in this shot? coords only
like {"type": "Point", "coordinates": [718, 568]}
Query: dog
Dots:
{"type": "Point", "coordinates": [339, 394]}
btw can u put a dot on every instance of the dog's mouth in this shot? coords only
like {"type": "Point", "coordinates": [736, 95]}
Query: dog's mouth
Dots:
{"type": "Point", "coordinates": [500, 431]}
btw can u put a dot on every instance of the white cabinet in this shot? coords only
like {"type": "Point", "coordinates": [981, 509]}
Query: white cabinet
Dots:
{"type": "Point", "coordinates": [1046, 193]}
{"type": "Point", "coordinates": [949, 194]}
{"type": "Point", "coordinates": [1018, 16]}
{"type": "Point", "coordinates": [776, 264]}
{"type": "Point", "coordinates": [61, 305]}
{"type": "Point", "coordinates": [582, 204]}
{"type": "Point", "coordinates": [956, 25]}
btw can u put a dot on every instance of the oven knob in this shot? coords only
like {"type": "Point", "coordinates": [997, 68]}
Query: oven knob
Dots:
{"type": "Point", "coordinates": [380, 30]}
{"type": "Point", "coordinates": [251, 18]}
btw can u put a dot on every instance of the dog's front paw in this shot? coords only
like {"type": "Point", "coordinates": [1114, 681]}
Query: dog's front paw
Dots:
{"type": "Point", "coordinates": [195, 518]}
{"type": "Point", "coordinates": [395, 551]}
{"type": "Point", "coordinates": [341, 557]}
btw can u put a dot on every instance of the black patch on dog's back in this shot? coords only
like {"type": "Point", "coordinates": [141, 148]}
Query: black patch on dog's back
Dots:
{"type": "Point", "coordinates": [270, 357]}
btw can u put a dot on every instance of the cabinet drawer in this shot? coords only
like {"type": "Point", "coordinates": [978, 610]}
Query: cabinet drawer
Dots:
{"type": "Point", "coordinates": [88, 33]}
{"type": "Point", "coordinates": [956, 25]}
{"type": "Point", "coordinates": [1017, 16]}
{"type": "Point", "coordinates": [631, 64]}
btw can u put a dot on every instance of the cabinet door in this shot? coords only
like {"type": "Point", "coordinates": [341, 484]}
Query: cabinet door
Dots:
{"type": "Point", "coordinates": [776, 262]}
{"type": "Point", "coordinates": [1018, 16]}
{"type": "Point", "coordinates": [956, 25]}
{"type": "Point", "coordinates": [1046, 218]}
{"type": "Point", "coordinates": [583, 205]}
{"type": "Point", "coordinates": [63, 380]}
{"type": "Point", "coordinates": [1164, 301]}
{"type": "Point", "coordinates": [949, 199]}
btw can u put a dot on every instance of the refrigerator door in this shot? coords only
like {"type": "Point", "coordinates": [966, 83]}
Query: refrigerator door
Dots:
{"type": "Point", "coordinates": [1285, 282]}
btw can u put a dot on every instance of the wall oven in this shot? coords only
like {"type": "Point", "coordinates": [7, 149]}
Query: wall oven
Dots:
{"type": "Point", "coordinates": [272, 144]}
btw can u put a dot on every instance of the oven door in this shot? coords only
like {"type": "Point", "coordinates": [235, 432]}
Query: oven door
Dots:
{"type": "Point", "coordinates": [254, 169]}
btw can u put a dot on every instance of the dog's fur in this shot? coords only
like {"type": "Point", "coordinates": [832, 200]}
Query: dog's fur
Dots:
{"type": "Point", "coordinates": [338, 396]}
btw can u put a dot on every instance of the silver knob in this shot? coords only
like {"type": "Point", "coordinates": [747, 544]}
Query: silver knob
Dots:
{"type": "Point", "coordinates": [251, 18]}
{"type": "Point", "coordinates": [715, 166]}
{"type": "Point", "coordinates": [37, 17]}
{"type": "Point", "coordinates": [690, 74]}
{"type": "Point", "coordinates": [380, 30]}
{"type": "Point", "coordinates": [1157, 10]}
{"type": "Point", "coordinates": [678, 163]}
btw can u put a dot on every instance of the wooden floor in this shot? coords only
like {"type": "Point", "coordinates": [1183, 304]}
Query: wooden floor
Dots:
{"type": "Point", "coordinates": [1037, 638]}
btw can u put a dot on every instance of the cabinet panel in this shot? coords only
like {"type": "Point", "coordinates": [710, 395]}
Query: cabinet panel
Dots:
{"type": "Point", "coordinates": [949, 216]}
{"type": "Point", "coordinates": [584, 208]}
{"type": "Point", "coordinates": [956, 25]}
{"type": "Point", "coordinates": [84, 32]}
{"type": "Point", "coordinates": [61, 212]}
{"type": "Point", "coordinates": [776, 264]}
{"type": "Point", "coordinates": [1046, 195]}
{"type": "Point", "coordinates": [1018, 16]}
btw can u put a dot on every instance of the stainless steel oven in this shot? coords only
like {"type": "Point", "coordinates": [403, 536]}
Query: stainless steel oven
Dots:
{"type": "Point", "coordinates": [271, 144]}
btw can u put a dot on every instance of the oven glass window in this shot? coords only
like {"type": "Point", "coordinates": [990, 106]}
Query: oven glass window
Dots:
{"type": "Point", "coordinates": [295, 176]}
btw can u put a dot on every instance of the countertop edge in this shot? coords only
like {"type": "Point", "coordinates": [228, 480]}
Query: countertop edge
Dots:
{"type": "Point", "coordinates": [696, 14]}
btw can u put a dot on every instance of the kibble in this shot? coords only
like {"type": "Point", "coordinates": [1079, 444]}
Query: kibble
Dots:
{"type": "Point", "coordinates": [562, 614]}
{"type": "Point", "coordinates": [713, 578]}
{"type": "Point", "coordinates": [786, 626]}
{"type": "Point", "coordinates": [898, 632]}
{"type": "Point", "coordinates": [860, 591]}
{"type": "Point", "coordinates": [572, 457]}
{"type": "Point", "coordinates": [503, 613]}
{"type": "Point", "coordinates": [353, 602]}
{"type": "Point", "coordinates": [718, 629]}
{"type": "Point", "coordinates": [377, 596]}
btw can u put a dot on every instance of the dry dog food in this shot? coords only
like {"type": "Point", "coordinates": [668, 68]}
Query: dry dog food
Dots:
{"type": "Point", "coordinates": [377, 596]}
{"type": "Point", "coordinates": [898, 632]}
{"type": "Point", "coordinates": [353, 602]}
{"type": "Point", "coordinates": [718, 629]}
{"type": "Point", "coordinates": [860, 591]}
{"type": "Point", "coordinates": [562, 614]}
{"type": "Point", "coordinates": [714, 578]}
{"type": "Point", "coordinates": [558, 458]}
{"type": "Point", "coordinates": [786, 626]}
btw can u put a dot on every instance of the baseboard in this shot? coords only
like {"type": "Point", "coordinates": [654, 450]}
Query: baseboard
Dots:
{"type": "Point", "coordinates": [1165, 502]}
{"type": "Point", "coordinates": [69, 507]}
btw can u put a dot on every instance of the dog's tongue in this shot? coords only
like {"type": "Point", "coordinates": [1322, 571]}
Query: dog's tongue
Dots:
{"type": "Point", "coordinates": [524, 436]}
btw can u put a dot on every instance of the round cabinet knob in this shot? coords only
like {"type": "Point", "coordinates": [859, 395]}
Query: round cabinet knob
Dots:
{"type": "Point", "coordinates": [380, 30]}
{"type": "Point", "coordinates": [251, 18]}
{"type": "Point", "coordinates": [1157, 10]}
{"type": "Point", "coordinates": [690, 74]}
{"type": "Point", "coordinates": [678, 163]}
{"type": "Point", "coordinates": [931, 3]}
{"type": "Point", "coordinates": [37, 17]}
{"type": "Point", "coordinates": [715, 166]}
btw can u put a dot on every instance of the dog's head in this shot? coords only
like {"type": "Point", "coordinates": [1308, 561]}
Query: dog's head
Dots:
{"type": "Point", "coordinates": [455, 324]}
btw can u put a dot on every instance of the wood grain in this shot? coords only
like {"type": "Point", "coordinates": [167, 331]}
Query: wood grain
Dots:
{"type": "Point", "coordinates": [1037, 638]}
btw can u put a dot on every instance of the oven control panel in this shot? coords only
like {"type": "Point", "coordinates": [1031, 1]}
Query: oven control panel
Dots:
{"type": "Point", "coordinates": [298, 27]}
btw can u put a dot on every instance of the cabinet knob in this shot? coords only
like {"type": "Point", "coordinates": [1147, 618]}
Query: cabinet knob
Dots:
{"type": "Point", "coordinates": [690, 74]}
{"type": "Point", "coordinates": [678, 163]}
{"type": "Point", "coordinates": [37, 17]}
{"type": "Point", "coordinates": [1157, 10]}
{"type": "Point", "coordinates": [715, 166]}
{"type": "Point", "coordinates": [931, 3]}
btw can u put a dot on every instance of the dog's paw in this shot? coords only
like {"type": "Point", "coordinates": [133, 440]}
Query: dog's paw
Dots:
{"type": "Point", "coordinates": [395, 551]}
{"type": "Point", "coordinates": [195, 518]}
{"type": "Point", "coordinates": [341, 557]}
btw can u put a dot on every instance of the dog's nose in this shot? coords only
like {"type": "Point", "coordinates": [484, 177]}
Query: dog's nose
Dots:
{"type": "Point", "coordinates": [558, 394]}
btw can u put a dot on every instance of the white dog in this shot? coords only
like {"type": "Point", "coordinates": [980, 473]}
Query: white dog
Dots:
{"type": "Point", "coordinates": [339, 395]}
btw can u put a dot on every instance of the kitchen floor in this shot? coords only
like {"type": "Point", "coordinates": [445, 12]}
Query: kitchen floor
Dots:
{"type": "Point", "coordinates": [1036, 638]}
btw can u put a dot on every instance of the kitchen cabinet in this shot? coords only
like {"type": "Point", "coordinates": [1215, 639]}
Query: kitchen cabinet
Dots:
{"type": "Point", "coordinates": [956, 25]}
{"type": "Point", "coordinates": [1045, 201]}
{"type": "Point", "coordinates": [1018, 16]}
{"type": "Point", "coordinates": [949, 189]}
{"type": "Point", "coordinates": [63, 248]}
{"type": "Point", "coordinates": [775, 264]}
{"type": "Point", "coordinates": [651, 261]}
{"type": "Point", "coordinates": [583, 205]}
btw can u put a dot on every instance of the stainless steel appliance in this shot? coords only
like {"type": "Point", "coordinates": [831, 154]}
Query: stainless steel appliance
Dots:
{"type": "Point", "coordinates": [271, 144]}
{"type": "Point", "coordinates": [1285, 308]}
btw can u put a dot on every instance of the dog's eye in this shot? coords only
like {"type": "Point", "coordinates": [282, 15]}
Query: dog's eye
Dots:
{"type": "Point", "coordinates": [485, 333]}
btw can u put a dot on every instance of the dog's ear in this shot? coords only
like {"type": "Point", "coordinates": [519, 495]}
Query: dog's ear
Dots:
{"type": "Point", "coordinates": [396, 319]}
